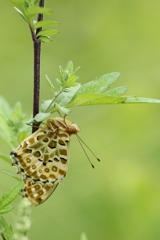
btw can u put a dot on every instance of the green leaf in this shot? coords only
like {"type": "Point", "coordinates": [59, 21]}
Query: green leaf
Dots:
{"type": "Point", "coordinates": [59, 82]}
{"type": "Point", "coordinates": [100, 85]}
{"type": "Point", "coordinates": [45, 39]}
{"type": "Point", "coordinates": [21, 14]}
{"type": "Point", "coordinates": [64, 98]}
{"type": "Point", "coordinates": [94, 99]}
{"type": "Point", "coordinates": [116, 92]}
{"type": "Point", "coordinates": [32, 11]}
{"type": "Point", "coordinates": [47, 32]}
{"type": "Point", "coordinates": [9, 196]}
{"type": "Point", "coordinates": [49, 82]}
{"type": "Point", "coordinates": [62, 109]}
{"type": "Point", "coordinates": [70, 82]}
{"type": "Point", "coordinates": [6, 209]}
{"type": "Point", "coordinates": [5, 229]}
{"type": "Point", "coordinates": [10, 174]}
{"type": "Point", "coordinates": [135, 99]}
{"type": "Point", "coordinates": [45, 23]}
{"type": "Point", "coordinates": [45, 104]}
{"type": "Point", "coordinates": [61, 72]}
{"type": "Point", "coordinates": [69, 69]}
{"type": "Point", "coordinates": [40, 117]}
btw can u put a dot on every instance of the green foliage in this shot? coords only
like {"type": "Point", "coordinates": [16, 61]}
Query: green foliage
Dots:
{"type": "Point", "coordinates": [13, 128]}
{"type": "Point", "coordinates": [8, 197]}
{"type": "Point", "coordinates": [5, 207]}
{"type": "Point", "coordinates": [70, 93]}
{"type": "Point", "coordinates": [29, 11]}
{"type": "Point", "coordinates": [5, 229]}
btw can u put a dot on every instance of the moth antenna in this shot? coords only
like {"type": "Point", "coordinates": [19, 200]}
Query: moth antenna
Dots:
{"type": "Point", "coordinates": [60, 114]}
{"type": "Point", "coordinates": [81, 141]}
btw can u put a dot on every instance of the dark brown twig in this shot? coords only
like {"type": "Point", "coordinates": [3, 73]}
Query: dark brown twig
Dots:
{"type": "Point", "coordinates": [37, 52]}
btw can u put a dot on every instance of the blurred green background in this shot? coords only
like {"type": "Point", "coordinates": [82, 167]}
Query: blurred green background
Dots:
{"type": "Point", "coordinates": [120, 198]}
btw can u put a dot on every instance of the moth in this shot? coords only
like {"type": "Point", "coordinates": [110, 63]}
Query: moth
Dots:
{"type": "Point", "coordinates": [42, 159]}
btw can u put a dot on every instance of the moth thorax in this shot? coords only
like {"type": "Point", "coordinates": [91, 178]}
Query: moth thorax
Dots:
{"type": "Point", "coordinates": [64, 125]}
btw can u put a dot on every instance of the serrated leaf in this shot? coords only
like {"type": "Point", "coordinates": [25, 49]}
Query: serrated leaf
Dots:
{"type": "Point", "coordinates": [40, 117]}
{"type": "Point", "coordinates": [100, 85]}
{"type": "Point", "coordinates": [94, 99]}
{"type": "Point", "coordinates": [47, 32]}
{"type": "Point", "coordinates": [10, 195]}
{"type": "Point", "coordinates": [10, 174]}
{"type": "Point", "coordinates": [5, 229]}
{"type": "Point", "coordinates": [97, 99]}
{"type": "Point", "coordinates": [6, 209]}
{"type": "Point", "coordinates": [45, 23]}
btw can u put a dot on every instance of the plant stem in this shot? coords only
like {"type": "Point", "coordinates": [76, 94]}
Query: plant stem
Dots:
{"type": "Point", "coordinates": [37, 52]}
{"type": "Point", "coordinates": [53, 100]}
{"type": "Point", "coordinates": [3, 237]}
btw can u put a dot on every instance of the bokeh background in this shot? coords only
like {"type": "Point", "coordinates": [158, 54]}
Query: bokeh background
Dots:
{"type": "Point", "coordinates": [120, 198]}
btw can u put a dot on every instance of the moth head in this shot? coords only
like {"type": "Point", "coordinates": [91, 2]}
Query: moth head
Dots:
{"type": "Point", "coordinates": [65, 125]}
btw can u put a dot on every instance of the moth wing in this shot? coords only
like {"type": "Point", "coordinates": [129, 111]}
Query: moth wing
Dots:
{"type": "Point", "coordinates": [36, 192]}
{"type": "Point", "coordinates": [42, 162]}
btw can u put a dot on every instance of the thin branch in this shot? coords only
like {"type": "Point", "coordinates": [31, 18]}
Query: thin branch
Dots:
{"type": "Point", "coordinates": [3, 237]}
{"type": "Point", "coordinates": [37, 52]}
{"type": "Point", "coordinates": [53, 101]}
